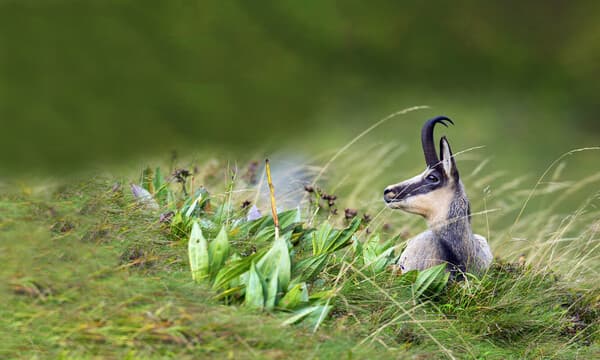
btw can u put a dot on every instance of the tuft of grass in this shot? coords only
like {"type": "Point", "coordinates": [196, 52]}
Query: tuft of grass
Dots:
{"type": "Point", "coordinates": [116, 284]}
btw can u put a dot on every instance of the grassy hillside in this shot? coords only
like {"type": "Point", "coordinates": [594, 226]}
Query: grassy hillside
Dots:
{"type": "Point", "coordinates": [93, 272]}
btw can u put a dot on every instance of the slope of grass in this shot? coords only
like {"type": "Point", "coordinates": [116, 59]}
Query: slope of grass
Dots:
{"type": "Point", "coordinates": [90, 272]}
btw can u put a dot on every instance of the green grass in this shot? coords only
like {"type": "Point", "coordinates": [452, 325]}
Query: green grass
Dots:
{"type": "Point", "coordinates": [91, 273]}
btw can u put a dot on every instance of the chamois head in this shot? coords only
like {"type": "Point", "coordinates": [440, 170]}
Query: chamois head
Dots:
{"type": "Point", "coordinates": [430, 193]}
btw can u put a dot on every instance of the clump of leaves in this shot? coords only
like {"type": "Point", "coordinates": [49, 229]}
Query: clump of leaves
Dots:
{"type": "Point", "coordinates": [325, 241]}
{"type": "Point", "coordinates": [430, 282]}
{"type": "Point", "coordinates": [376, 255]}
{"type": "Point", "coordinates": [272, 278]}
{"type": "Point", "coordinates": [246, 261]}
{"type": "Point", "coordinates": [257, 267]}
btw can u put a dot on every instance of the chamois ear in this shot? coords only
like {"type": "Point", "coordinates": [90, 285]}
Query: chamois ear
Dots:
{"type": "Point", "coordinates": [447, 160]}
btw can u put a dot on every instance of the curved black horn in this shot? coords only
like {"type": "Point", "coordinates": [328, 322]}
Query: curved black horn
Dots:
{"type": "Point", "coordinates": [431, 157]}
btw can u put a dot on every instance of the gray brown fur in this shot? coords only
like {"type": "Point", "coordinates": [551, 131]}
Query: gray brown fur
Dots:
{"type": "Point", "coordinates": [452, 242]}
{"type": "Point", "coordinates": [439, 196]}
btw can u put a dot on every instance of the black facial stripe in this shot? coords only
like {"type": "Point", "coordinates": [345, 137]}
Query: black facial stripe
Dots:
{"type": "Point", "coordinates": [417, 188]}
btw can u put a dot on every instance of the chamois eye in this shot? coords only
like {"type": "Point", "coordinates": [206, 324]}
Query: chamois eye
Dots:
{"type": "Point", "coordinates": [432, 178]}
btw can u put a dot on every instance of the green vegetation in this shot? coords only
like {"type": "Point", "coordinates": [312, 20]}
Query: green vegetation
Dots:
{"type": "Point", "coordinates": [93, 270]}
{"type": "Point", "coordinates": [187, 261]}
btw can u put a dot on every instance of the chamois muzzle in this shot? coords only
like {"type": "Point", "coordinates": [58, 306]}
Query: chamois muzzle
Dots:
{"type": "Point", "coordinates": [392, 194]}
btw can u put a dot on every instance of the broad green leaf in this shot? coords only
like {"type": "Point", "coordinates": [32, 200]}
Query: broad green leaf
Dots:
{"type": "Point", "coordinates": [272, 289]}
{"type": "Point", "coordinates": [209, 227]}
{"type": "Point", "coordinates": [300, 314]}
{"type": "Point", "coordinates": [198, 253]}
{"type": "Point", "coordinates": [278, 257]}
{"type": "Point", "coordinates": [317, 317]}
{"type": "Point", "coordinates": [265, 223]}
{"type": "Point", "coordinates": [288, 218]}
{"type": "Point", "coordinates": [308, 268]}
{"type": "Point", "coordinates": [296, 296]}
{"type": "Point", "coordinates": [195, 202]}
{"type": "Point", "coordinates": [315, 314]}
{"type": "Point", "coordinates": [343, 238]}
{"type": "Point", "coordinates": [177, 219]}
{"type": "Point", "coordinates": [252, 226]}
{"type": "Point", "coordinates": [321, 237]}
{"type": "Point", "coordinates": [218, 251]}
{"type": "Point", "coordinates": [265, 235]}
{"type": "Point", "coordinates": [322, 295]}
{"type": "Point", "coordinates": [328, 240]}
{"type": "Point", "coordinates": [193, 205]}
{"type": "Point", "coordinates": [431, 281]}
{"type": "Point", "coordinates": [377, 256]}
{"type": "Point", "coordinates": [298, 217]}
{"type": "Point", "coordinates": [234, 269]}
{"type": "Point", "coordinates": [255, 295]}
{"type": "Point", "coordinates": [409, 277]}
{"type": "Point", "coordinates": [228, 292]}
{"type": "Point", "coordinates": [222, 212]}
{"type": "Point", "coordinates": [383, 260]}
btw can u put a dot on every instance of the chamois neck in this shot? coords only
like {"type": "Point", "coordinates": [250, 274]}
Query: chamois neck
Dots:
{"type": "Point", "coordinates": [456, 218]}
{"type": "Point", "coordinates": [454, 236]}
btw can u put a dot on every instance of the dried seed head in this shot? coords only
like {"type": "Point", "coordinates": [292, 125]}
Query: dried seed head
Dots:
{"type": "Point", "coordinates": [350, 213]}
{"type": "Point", "coordinates": [180, 175]}
{"type": "Point", "coordinates": [165, 218]}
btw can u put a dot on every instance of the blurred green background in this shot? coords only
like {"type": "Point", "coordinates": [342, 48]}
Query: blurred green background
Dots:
{"type": "Point", "coordinates": [85, 83]}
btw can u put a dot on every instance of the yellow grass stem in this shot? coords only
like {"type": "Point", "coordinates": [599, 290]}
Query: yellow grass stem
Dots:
{"type": "Point", "coordinates": [272, 193]}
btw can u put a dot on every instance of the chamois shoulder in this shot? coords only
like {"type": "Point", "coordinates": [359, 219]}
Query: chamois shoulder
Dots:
{"type": "Point", "coordinates": [484, 253]}
{"type": "Point", "coordinates": [420, 252]}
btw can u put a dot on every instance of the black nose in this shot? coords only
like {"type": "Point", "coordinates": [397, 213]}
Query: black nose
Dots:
{"type": "Point", "coordinates": [389, 195]}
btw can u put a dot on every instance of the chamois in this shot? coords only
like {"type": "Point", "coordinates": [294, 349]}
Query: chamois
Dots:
{"type": "Point", "coordinates": [439, 196]}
